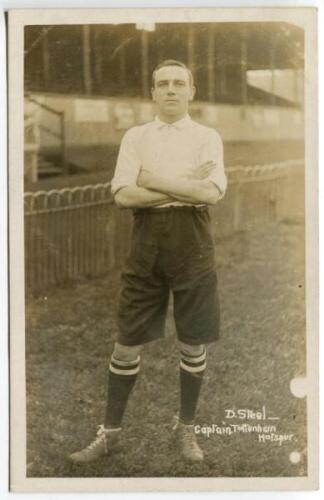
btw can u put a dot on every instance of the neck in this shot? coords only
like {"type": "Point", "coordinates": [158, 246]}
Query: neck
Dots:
{"type": "Point", "coordinates": [171, 119]}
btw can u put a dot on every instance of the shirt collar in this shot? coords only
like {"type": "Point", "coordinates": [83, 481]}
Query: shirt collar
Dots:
{"type": "Point", "coordinates": [179, 124]}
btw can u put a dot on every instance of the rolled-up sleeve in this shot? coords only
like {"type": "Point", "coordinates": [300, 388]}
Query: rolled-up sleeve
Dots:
{"type": "Point", "coordinates": [128, 163]}
{"type": "Point", "coordinates": [213, 151]}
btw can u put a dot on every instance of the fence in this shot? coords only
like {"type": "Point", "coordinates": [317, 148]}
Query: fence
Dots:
{"type": "Point", "coordinates": [78, 232]}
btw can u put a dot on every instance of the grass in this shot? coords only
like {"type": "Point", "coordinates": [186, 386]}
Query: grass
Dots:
{"type": "Point", "coordinates": [70, 334]}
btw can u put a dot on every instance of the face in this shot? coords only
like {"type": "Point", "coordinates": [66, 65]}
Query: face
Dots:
{"type": "Point", "coordinates": [172, 92]}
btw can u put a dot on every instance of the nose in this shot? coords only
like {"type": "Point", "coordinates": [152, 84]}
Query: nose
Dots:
{"type": "Point", "coordinates": [170, 88]}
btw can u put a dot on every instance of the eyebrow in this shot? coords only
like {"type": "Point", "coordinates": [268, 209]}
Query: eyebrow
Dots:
{"type": "Point", "coordinates": [175, 80]}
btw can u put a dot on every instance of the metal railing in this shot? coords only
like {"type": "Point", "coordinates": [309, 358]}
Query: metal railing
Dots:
{"type": "Point", "coordinates": [69, 234]}
{"type": "Point", "coordinates": [78, 232]}
{"type": "Point", "coordinates": [271, 173]}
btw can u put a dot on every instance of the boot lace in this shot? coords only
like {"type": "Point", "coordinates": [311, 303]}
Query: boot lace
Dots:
{"type": "Point", "coordinates": [189, 437]}
{"type": "Point", "coordinates": [101, 438]}
{"type": "Point", "coordinates": [175, 423]}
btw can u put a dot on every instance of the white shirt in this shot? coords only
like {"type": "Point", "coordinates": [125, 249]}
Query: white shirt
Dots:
{"type": "Point", "coordinates": [169, 150]}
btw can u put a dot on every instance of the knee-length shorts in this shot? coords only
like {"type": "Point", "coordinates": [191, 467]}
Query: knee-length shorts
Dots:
{"type": "Point", "coordinates": [172, 250]}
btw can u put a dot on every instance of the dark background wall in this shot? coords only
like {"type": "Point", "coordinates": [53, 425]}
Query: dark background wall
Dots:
{"type": "Point", "coordinates": [118, 60]}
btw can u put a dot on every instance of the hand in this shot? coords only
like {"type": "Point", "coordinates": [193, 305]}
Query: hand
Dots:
{"type": "Point", "coordinates": [144, 178]}
{"type": "Point", "coordinates": [202, 171]}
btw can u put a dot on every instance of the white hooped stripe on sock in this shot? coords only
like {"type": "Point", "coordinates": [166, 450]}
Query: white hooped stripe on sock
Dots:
{"type": "Point", "coordinates": [122, 362]}
{"type": "Point", "coordinates": [194, 359]}
{"type": "Point", "coordinates": [123, 367]}
{"type": "Point", "coordinates": [193, 364]}
{"type": "Point", "coordinates": [193, 369]}
{"type": "Point", "coordinates": [132, 371]}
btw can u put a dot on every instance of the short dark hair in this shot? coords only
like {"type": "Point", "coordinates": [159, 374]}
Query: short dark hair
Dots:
{"type": "Point", "coordinates": [172, 62]}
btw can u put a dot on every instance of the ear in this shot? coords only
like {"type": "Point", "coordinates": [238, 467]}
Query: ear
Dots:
{"type": "Point", "coordinates": [192, 93]}
{"type": "Point", "coordinates": [153, 93]}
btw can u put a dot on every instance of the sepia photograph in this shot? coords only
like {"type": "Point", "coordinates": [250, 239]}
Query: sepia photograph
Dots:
{"type": "Point", "coordinates": [163, 249]}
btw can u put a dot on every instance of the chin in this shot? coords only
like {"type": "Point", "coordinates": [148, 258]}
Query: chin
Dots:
{"type": "Point", "coordinates": [172, 110]}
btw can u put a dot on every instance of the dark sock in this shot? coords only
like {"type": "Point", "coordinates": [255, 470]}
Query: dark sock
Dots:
{"type": "Point", "coordinates": [121, 379]}
{"type": "Point", "coordinates": [192, 369]}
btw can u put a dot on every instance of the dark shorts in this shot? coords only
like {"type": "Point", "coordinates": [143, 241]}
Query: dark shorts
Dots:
{"type": "Point", "coordinates": [171, 249]}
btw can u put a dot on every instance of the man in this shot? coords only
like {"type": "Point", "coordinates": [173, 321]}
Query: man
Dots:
{"type": "Point", "coordinates": [168, 171]}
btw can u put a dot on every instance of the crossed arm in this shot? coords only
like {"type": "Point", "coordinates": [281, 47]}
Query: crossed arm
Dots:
{"type": "Point", "coordinates": [153, 190]}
